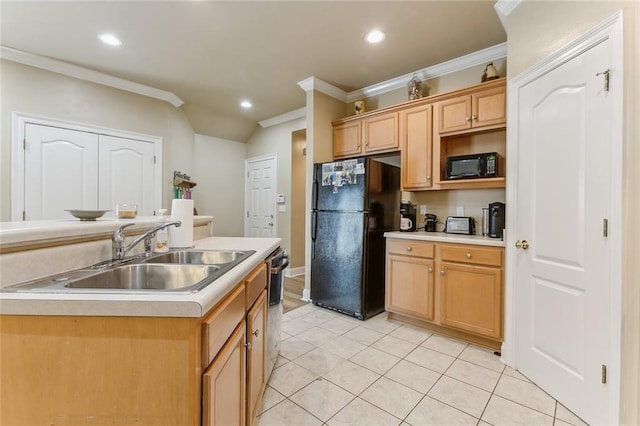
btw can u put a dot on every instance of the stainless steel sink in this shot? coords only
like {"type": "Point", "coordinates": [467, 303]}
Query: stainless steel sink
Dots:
{"type": "Point", "coordinates": [181, 271]}
{"type": "Point", "coordinates": [148, 277]}
{"type": "Point", "coordinates": [200, 257]}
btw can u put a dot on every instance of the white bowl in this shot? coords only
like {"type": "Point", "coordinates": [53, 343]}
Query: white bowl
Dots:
{"type": "Point", "coordinates": [87, 214]}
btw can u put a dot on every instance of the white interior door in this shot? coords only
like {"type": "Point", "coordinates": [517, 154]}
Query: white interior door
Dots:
{"type": "Point", "coordinates": [563, 306]}
{"type": "Point", "coordinates": [60, 172]}
{"type": "Point", "coordinates": [126, 174]}
{"type": "Point", "coordinates": [260, 197]}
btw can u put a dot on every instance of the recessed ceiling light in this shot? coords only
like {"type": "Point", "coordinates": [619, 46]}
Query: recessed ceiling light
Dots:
{"type": "Point", "coordinates": [110, 39]}
{"type": "Point", "coordinates": [375, 36]}
{"type": "Point", "coordinates": [246, 104]}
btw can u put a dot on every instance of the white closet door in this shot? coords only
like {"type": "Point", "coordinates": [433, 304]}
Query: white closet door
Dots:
{"type": "Point", "coordinates": [126, 173]}
{"type": "Point", "coordinates": [60, 172]}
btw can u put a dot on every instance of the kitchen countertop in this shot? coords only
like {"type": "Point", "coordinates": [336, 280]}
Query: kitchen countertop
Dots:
{"type": "Point", "coordinates": [28, 232]}
{"type": "Point", "coordinates": [442, 237]}
{"type": "Point", "coordinates": [146, 305]}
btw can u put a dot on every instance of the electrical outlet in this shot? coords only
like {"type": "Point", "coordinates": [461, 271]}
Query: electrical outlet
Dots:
{"type": "Point", "coordinates": [423, 209]}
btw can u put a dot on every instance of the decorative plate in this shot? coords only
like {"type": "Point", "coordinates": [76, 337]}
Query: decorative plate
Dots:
{"type": "Point", "coordinates": [87, 214]}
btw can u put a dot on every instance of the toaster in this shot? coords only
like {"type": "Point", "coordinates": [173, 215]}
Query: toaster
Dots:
{"type": "Point", "coordinates": [460, 225]}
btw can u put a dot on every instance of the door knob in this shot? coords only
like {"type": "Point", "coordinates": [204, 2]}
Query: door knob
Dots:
{"type": "Point", "coordinates": [522, 244]}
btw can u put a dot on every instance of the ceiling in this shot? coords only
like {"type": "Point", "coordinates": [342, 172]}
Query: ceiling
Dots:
{"type": "Point", "coordinates": [213, 54]}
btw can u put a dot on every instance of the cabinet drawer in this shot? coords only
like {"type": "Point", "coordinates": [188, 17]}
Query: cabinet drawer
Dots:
{"type": "Point", "coordinates": [410, 248]}
{"type": "Point", "coordinates": [472, 254]}
{"type": "Point", "coordinates": [219, 324]}
{"type": "Point", "coordinates": [254, 284]}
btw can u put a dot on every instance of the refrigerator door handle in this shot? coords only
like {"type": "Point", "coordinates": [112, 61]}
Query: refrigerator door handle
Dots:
{"type": "Point", "coordinates": [314, 225]}
{"type": "Point", "coordinates": [314, 194]}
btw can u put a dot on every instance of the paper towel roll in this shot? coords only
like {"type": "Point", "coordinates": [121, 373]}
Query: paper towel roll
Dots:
{"type": "Point", "coordinates": [181, 237]}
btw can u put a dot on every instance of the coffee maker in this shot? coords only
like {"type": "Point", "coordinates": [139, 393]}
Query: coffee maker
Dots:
{"type": "Point", "coordinates": [430, 221]}
{"type": "Point", "coordinates": [407, 216]}
{"type": "Point", "coordinates": [496, 219]}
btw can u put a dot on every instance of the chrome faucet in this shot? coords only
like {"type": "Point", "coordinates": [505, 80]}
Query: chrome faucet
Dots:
{"type": "Point", "coordinates": [119, 249]}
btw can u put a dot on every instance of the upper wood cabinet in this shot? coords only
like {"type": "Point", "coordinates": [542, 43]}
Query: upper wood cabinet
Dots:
{"type": "Point", "coordinates": [416, 136]}
{"type": "Point", "coordinates": [478, 109]}
{"type": "Point", "coordinates": [367, 135]}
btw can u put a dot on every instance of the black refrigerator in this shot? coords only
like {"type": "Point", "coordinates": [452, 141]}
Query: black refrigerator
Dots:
{"type": "Point", "coordinates": [354, 203]}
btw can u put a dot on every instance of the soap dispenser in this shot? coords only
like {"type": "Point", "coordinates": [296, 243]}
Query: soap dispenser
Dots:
{"type": "Point", "coordinates": [162, 236]}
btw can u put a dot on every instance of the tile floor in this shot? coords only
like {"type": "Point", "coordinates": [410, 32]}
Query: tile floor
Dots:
{"type": "Point", "coordinates": [336, 370]}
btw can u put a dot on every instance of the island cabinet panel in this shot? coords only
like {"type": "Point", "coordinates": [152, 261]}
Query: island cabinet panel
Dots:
{"type": "Point", "coordinates": [411, 291]}
{"type": "Point", "coordinates": [99, 370]}
{"type": "Point", "coordinates": [223, 401]}
{"type": "Point", "coordinates": [219, 324]}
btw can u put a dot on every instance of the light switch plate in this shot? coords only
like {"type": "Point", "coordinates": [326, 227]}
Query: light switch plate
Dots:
{"type": "Point", "coordinates": [423, 209]}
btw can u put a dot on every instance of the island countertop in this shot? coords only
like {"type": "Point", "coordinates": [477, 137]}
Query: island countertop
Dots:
{"type": "Point", "coordinates": [146, 305]}
{"type": "Point", "coordinates": [443, 237]}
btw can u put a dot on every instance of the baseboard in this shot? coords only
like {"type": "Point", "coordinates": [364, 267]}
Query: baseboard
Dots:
{"type": "Point", "coordinates": [306, 295]}
{"type": "Point", "coordinates": [293, 272]}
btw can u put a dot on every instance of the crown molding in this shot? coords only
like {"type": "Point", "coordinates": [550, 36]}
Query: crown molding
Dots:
{"type": "Point", "coordinates": [503, 8]}
{"type": "Point", "coordinates": [313, 83]}
{"type": "Point", "coordinates": [472, 59]}
{"type": "Point", "coordinates": [81, 73]}
{"type": "Point", "coordinates": [283, 118]}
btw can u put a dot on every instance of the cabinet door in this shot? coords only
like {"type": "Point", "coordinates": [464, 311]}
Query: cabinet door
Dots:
{"type": "Point", "coordinates": [416, 133]}
{"type": "Point", "coordinates": [471, 299]}
{"type": "Point", "coordinates": [380, 133]}
{"type": "Point", "coordinates": [346, 139]}
{"type": "Point", "coordinates": [410, 286]}
{"type": "Point", "coordinates": [454, 114]}
{"type": "Point", "coordinates": [256, 355]}
{"type": "Point", "coordinates": [489, 107]}
{"type": "Point", "coordinates": [223, 393]}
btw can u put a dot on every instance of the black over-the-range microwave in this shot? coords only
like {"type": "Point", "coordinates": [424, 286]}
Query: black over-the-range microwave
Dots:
{"type": "Point", "coordinates": [473, 166]}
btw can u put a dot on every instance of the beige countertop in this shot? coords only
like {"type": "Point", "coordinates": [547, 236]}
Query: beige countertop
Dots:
{"type": "Point", "coordinates": [157, 304]}
{"type": "Point", "coordinates": [442, 237]}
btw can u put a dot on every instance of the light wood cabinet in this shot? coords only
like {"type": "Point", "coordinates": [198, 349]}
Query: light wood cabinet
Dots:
{"type": "Point", "coordinates": [147, 370]}
{"type": "Point", "coordinates": [223, 387]}
{"type": "Point", "coordinates": [454, 289]}
{"type": "Point", "coordinates": [479, 109]}
{"type": "Point", "coordinates": [372, 134]}
{"type": "Point", "coordinates": [416, 136]}
{"type": "Point", "coordinates": [256, 355]}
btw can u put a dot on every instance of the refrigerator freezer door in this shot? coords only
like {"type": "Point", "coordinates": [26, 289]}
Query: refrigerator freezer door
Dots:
{"type": "Point", "coordinates": [340, 186]}
{"type": "Point", "coordinates": [337, 263]}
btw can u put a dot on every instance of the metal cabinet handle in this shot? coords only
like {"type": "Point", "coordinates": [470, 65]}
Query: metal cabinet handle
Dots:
{"type": "Point", "coordinates": [468, 255]}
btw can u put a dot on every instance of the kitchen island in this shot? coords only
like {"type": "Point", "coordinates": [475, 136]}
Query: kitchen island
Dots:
{"type": "Point", "coordinates": [97, 358]}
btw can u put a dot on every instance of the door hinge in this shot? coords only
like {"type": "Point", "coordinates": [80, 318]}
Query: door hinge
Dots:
{"type": "Point", "coordinates": [154, 159]}
{"type": "Point", "coordinates": [604, 374]}
{"type": "Point", "coordinates": [606, 79]}
{"type": "Point", "coordinates": [247, 214]}
{"type": "Point", "coordinates": [24, 215]}
{"type": "Point", "coordinates": [24, 144]}
{"type": "Point", "coordinates": [605, 228]}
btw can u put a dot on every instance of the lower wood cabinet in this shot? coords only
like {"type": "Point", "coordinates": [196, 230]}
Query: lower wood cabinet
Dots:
{"type": "Point", "coordinates": [256, 355]}
{"type": "Point", "coordinates": [456, 289]}
{"type": "Point", "coordinates": [223, 384]}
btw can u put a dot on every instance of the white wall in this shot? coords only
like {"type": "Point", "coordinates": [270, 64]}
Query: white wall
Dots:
{"type": "Point", "coordinates": [218, 168]}
{"type": "Point", "coordinates": [278, 139]}
{"type": "Point", "coordinates": [39, 92]}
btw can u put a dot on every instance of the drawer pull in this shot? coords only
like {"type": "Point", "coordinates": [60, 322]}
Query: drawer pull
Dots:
{"type": "Point", "coordinates": [409, 249]}
{"type": "Point", "coordinates": [468, 255]}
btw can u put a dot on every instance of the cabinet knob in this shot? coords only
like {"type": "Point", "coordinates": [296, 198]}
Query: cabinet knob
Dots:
{"type": "Point", "coordinates": [467, 119]}
{"type": "Point", "coordinates": [428, 177]}
{"type": "Point", "coordinates": [442, 273]}
{"type": "Point", "coordinates": [409, 249]}
{"type": "Point", "coordinates": [468, 255]}
{"type": "Point", "coordinates": [474, 117]}
{"type": "Point", "coordinates": [255, 333]}
{"type": "Point", "coordinates": [247, 345]}
{"type": "Point", "coordinates": [430, 270]}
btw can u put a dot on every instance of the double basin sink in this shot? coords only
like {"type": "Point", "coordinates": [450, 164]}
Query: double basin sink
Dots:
{"type": "Point", "coordinates": [181, 271]}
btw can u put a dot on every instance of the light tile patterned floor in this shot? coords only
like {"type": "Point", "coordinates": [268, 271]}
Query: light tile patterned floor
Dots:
{"type": "Point", "coordinates": [336, 370]}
